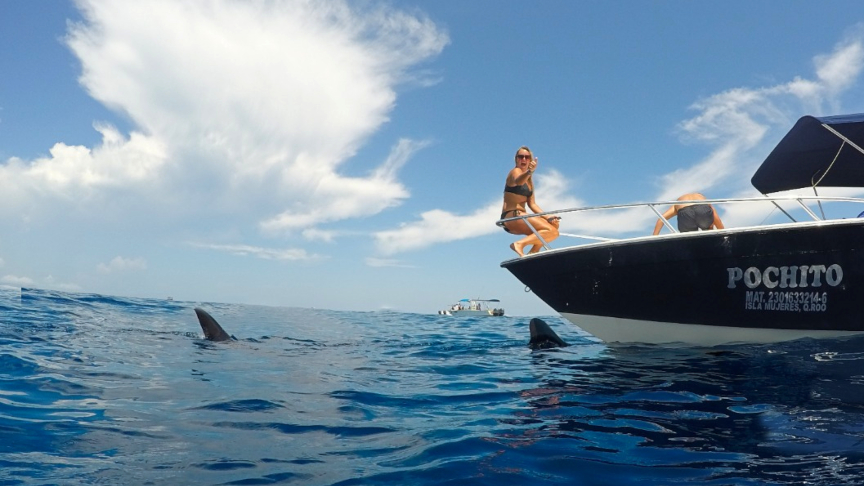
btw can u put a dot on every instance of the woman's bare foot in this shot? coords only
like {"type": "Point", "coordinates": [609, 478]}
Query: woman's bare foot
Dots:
{"type": "Point", "coordinates": [517, 248]}
{"type": "Point", "coordinates": [534, 249]}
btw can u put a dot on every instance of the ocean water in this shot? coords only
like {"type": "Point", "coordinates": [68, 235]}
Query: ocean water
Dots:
{"type": "Point", "coordinates": [107, 390]}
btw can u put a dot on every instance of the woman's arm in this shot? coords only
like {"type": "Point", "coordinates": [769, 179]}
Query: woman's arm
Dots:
{"type": "Point", "coordinates": [517, 176]}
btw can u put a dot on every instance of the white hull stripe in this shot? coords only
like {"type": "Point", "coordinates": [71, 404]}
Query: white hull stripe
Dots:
{"type": "Point", "coordinates": [613, 329]}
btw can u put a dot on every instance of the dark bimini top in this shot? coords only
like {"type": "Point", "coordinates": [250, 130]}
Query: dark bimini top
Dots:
{"type": "Point", "coordinates": [523, 190]}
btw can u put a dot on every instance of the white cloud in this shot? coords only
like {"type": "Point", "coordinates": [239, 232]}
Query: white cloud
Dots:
{"type": "Point", "coordinates": [315, 234]}
{"type": "Point", "coordinates": [80, 176]}
{"type": "Point", "coordinates": [16, 281]}
{"type": "Point", "coordinates": [338, 198]}
{"type": "Point", "coordinates": [50, 282]}
{"type": "Point", "coordinates": [241, 108]}
{"type": "Point", "coordinates": [438, 226]}
{"type": "Point", "coordinates": [263, 253]}
{"type": "Point", "coordinates": [387, 262]}
{"type": "Point", "coordinates": [840, 69]}
{"type": "Point", "coordinates": [120, 264]}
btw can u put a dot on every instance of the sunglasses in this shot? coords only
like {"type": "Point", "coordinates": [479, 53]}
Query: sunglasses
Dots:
{"type": "Point", "coordinates": [523, 156]}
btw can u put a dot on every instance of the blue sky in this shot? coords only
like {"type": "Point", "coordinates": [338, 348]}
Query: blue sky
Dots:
{"type": "Point", "coordinates": [352, 155]}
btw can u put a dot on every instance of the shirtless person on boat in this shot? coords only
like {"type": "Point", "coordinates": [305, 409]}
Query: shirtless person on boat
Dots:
{"type": "Point", "coordinates": [519, 192]}
{"type": "Point", "coordinates": [692, 217]}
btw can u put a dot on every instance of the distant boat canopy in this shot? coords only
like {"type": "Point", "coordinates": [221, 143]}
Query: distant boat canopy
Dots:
{"type": "Point", "coordinates": [817, 151]}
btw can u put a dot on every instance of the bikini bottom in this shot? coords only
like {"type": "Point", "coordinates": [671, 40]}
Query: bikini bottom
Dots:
{"type": "Point", "coordinates": [504, 215]}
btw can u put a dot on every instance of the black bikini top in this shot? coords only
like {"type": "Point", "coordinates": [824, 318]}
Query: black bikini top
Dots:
{"type": "Point", "coordinates": [523, 190]}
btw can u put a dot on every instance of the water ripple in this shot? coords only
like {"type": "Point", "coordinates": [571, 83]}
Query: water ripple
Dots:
{"type": "Point", "coordinates": [100, 389]}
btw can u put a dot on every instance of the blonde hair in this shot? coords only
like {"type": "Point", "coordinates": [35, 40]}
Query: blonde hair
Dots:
{"type": "Point", "coordinates": [524, 147]}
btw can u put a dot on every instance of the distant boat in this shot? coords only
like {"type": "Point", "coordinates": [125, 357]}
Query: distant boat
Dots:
{"type": "Point", "coordinates": [473, 307]}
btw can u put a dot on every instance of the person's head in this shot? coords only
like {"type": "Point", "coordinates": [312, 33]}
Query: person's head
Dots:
{"type": "Point", "coordinates": [523, 156]}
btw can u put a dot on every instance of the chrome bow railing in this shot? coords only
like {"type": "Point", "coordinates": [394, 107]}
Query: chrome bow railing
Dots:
{"type": "Point", "coordinates": [653, 206]}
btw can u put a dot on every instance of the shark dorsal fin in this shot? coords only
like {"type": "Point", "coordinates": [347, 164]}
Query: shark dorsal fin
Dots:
{"type": "Point", "coordinates": [212, 330]}
{"type": "Point", "coordinates": [542, 336]}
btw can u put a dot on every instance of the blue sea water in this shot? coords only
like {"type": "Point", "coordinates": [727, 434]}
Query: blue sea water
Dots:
{"type": "Point", "coordinates": [106, 390]}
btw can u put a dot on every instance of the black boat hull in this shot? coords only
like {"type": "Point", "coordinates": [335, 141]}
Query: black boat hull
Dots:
{"type": "Point", "coordinates": [748, 284]}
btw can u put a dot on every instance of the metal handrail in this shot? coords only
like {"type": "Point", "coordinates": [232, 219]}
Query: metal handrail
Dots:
{"type": "Point", "coordinates": [653, 206]}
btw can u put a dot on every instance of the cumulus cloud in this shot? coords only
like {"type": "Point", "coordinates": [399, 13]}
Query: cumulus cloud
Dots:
{"type": "Point", "coordinates": [338, 198]}
{"type": "Point", "coordinates": [438, 226]}
{"type": "Point", "coordinates": [121, 264]}
{"type": "Point", "coordinates": [240, 108]}
{"type": "Point", "coordinates": [81, 176]}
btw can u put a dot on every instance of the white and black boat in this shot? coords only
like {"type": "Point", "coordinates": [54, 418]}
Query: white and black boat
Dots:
{"type": "Point", "coordinates": [762, 283]}
{"type": "Point", "coordinates": [473, 308]}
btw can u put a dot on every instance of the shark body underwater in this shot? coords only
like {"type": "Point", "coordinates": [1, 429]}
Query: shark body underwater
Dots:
{"type": "Point", "coordinates": [542, 336]}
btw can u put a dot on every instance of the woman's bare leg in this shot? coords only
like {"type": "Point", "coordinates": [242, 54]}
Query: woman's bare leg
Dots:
{"type": "Point", "coordinates": [543, 227]}
{"type": "Point", "coordinates": [547, 235]}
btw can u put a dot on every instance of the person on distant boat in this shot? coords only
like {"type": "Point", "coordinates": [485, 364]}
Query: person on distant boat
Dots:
{"type": "Point", "coordinates": [519, 193]}
{"type": "Point", "coordinates": [692, 217]}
